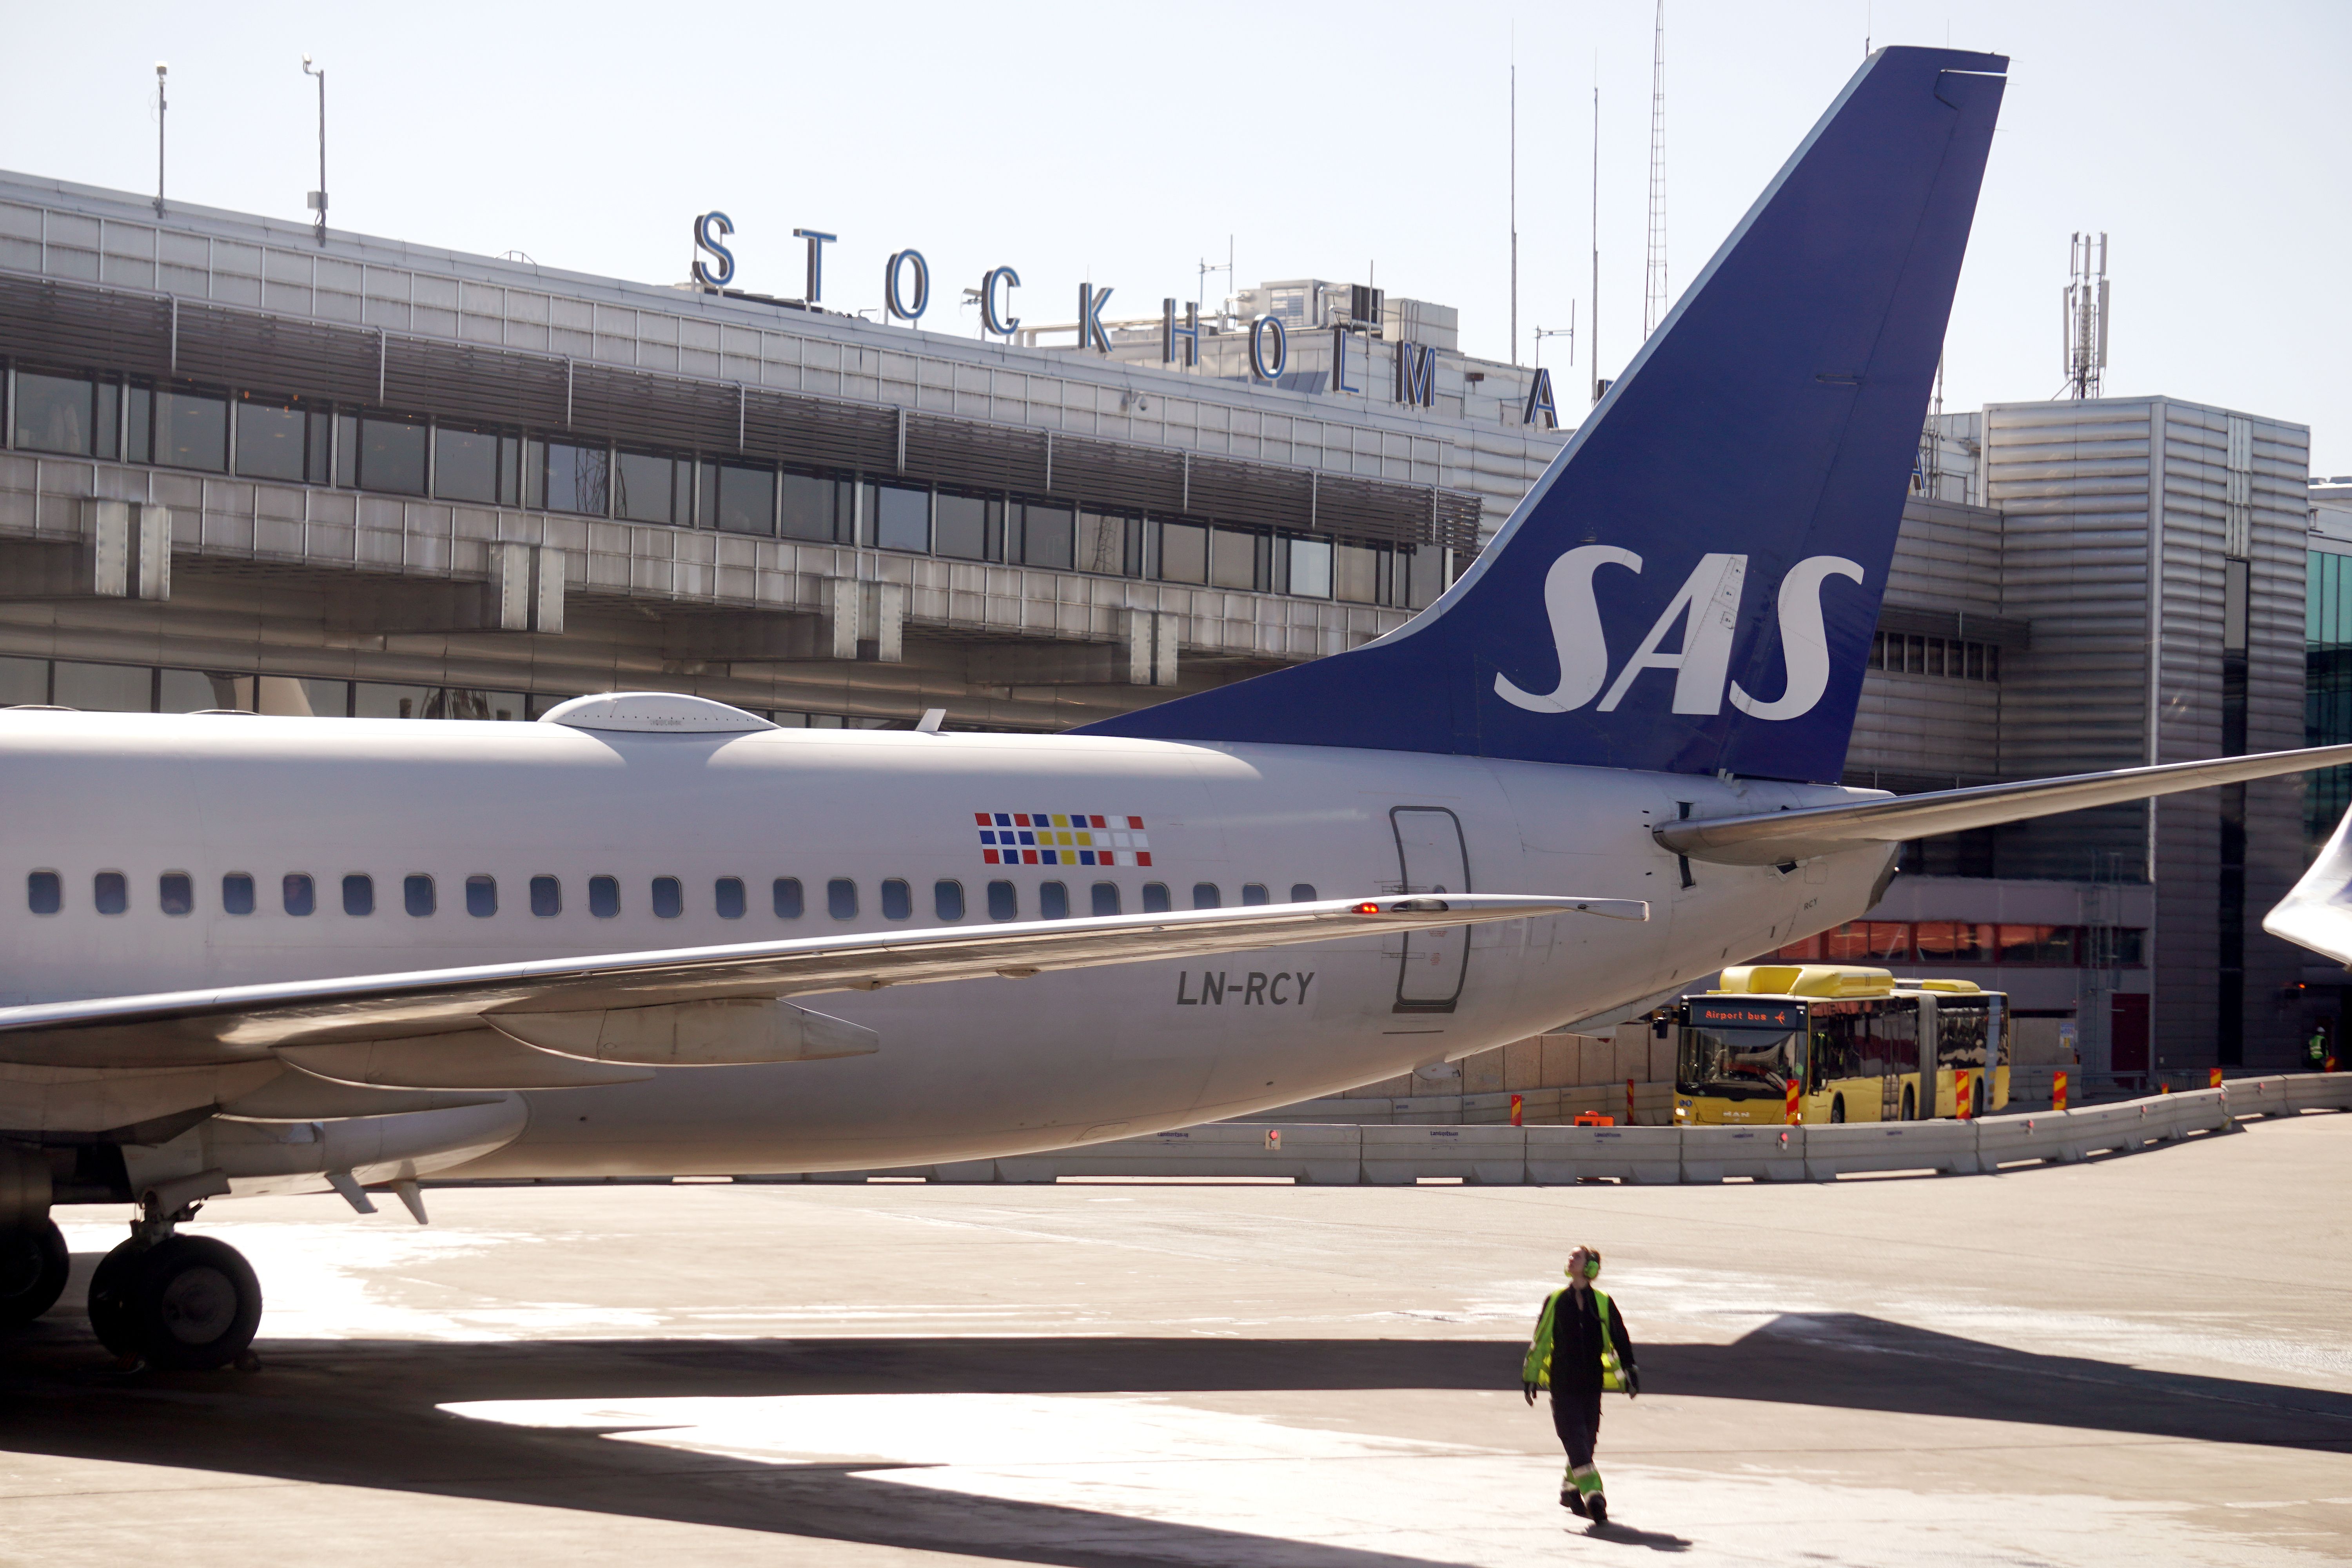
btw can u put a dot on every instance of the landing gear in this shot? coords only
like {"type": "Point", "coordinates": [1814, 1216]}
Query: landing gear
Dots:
{"type": "Point", "coordinates": [180, 1303]}
{"type": "Point", "coordinates": [32, 1267]}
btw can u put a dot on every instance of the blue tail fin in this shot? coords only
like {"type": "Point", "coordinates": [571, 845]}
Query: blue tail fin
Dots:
{"type": "Point", "coordinates": [1693, 583]}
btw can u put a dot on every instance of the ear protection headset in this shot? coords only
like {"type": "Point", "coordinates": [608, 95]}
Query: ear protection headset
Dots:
{"type": "Point", "coordinates": [1591, 1265]}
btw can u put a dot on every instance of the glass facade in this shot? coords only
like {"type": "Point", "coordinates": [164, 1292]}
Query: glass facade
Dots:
{"type": "Point", "coordinates": [300, 441]}
{"type": "Point", "coordinates": [2326, 688]}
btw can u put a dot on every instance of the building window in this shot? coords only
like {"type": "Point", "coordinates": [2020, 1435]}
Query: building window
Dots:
{"type": "Point", "coordinates": [901, 518]}
{"type": "Point", "coordinates": [478, 466]}
{"type": "Point", "coordinates": [967, 528]}
{"type": "Point", "coordinates": [1355, 573]}
{"type": "Point", "coordinates": [567, 477]}
{"type": "Point", "coordinates": [1233, 560]}
{"type": "Point", "coordinates": [1948, 658]}
{"type": "Point", "coordinates": [70, 415]}
{"type": "Point", "coordinates": [280, 441]}
{"type": "Point", "coordinates": [181, 429]}
{"type": "Point", "coordinates": [727, 897]}
{"type": "Point", "coordinates": [841, 898]}
{"type": "Point", "coordinates": [1045, 536]}
{"type": "Point", "coordinates": [645, 487]}
{"type": "Point", "coordinates": [546, 896]}
{"type": "Point", "coordinates": [740, 500]}
{"type": "Point", "coordinates": [669, 898]}
{"type": "Point", "coordinates": [786, 896]}
{"type": "Point", "coordinates": [603, 897]}
{"type": "Point", "coordinates": [1110, 545]}
{"type": "Point", "coordinates": [390, 454]}
{"type": "Point", "coordinates": [481, 897]}
{"type": "Point", "coordinates": [815, 508]}
{"type": "Point", "coordinates": [1311, 567]}
{"type": "Point", "coordinates": [416, 895]}
{"type": "Point", "coordinates": [1183, 552]}
{"type": "Point", "coordinates": [44, 893]}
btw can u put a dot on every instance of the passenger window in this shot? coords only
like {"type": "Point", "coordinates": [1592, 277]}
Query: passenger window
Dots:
{"type": "Point", "coordinates": [44, 893]}
{"type": "Point", "coordinates": [481, 897]}
{"type": "Point", "coordinates": [176, 893]}
{"type": "Point", "coordinates": [897, 900]}
{"type": "Point", "coordinates": [546, 896]}
{"type": "Point", "coordinates": [603, 897]}
{"type": "Point", "coordinates": [727, 897]}
{"type": "Point", "coordinates": [1053, 902]}
{"type": "Point", "coordinates": [416, 895]}
{"type": "Point", "coordinates": [947, 900]}
{"type": "Point", "coordinates": [110, 892]}
{"type": "Point", "coordinates": [1302, 892]}
{"type": "Point", "coordinates": [787, 895]}
{"type": "Point", "coordinates": [1206, 897]}
{"type": "Point", "coordinates": [1003, 903]}
{"type": "Point", "coordinates": [1106, 898]}
{"type": "Point", "coordinates": [236, 894]}
{"type": "Point", "coordinates": [359, 894]}
{"type": "Point", "coordinates": [299, 895]}
{"type": "Point", "coordinates": [1155, 898]}
{"type": "Point", "coordinates": [1256, 893]}
{"type": "Point", "coordinates": [669, 899]}
{"type": "Point", "coordinates": [841, 898]}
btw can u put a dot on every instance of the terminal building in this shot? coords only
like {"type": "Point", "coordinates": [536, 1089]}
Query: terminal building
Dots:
{"type": "Point", "coordinates": [249, 465]}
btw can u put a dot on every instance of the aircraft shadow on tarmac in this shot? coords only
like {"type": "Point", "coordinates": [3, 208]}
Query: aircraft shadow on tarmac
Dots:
{"type": "Point", "coordinates": [364, 1413]}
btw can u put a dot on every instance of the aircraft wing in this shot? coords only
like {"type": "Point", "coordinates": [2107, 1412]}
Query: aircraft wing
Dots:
{"type": "Point", "coordinates": [1770, 838]}
{"type": "Point", "coordinates": [685, 1007]}
{"type": "Point", "coordinates": [2317, 912]}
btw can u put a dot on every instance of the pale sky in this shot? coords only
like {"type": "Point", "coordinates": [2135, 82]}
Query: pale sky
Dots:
{"type": "Point", "coordinates": [1123, 145]}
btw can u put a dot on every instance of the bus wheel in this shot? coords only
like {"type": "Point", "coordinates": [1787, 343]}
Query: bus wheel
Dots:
{"type": "Point", "coordinates": [1837, 1109]}
{"type": "Point", "coordinates": [1909, 1104]}
{"type": "Point", "coordinates": [1979, 1097]}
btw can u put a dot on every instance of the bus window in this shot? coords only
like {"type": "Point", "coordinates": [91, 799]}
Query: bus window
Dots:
{"type": "Point", "coordinates": [1741, 1050]}
{"type": "Point", "coordinates": [1960, 1023]}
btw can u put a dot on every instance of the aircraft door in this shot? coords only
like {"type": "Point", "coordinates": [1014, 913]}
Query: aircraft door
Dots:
{"type": "Point", "coordinates": [1430, 858]}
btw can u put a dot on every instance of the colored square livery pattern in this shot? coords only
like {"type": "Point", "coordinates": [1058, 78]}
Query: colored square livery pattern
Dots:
{"type": "Point", "coordinates": [1061, 838]}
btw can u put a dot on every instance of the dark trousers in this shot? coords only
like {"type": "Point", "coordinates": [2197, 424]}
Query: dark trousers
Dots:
{"type": "Point", "coordinates": [1576, 1416]}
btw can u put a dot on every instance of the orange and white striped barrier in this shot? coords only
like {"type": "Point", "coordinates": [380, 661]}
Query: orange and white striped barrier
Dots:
{"type": "Point", "coordinates": [2214, 1077]}
{"type": "Point", "coordinates": [1791, 1112]}
{"type": "Point", "coordinates": [2058, 1090]}
{"type": "Point", "coordinates": [1960, 1106]}
{"type": "Point", "coordinates": [1519, 1111]}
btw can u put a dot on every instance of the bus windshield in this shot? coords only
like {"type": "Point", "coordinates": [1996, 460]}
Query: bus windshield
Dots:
{"type": "Point", "coordinates": [1740, 1050]}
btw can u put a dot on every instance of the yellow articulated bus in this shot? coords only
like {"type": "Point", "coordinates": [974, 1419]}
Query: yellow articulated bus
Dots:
{"type": "Point", "coordinates": [1852, 1042]}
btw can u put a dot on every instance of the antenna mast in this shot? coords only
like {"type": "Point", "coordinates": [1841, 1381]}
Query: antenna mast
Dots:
{"type": "Point", "coordinates": [2086, 314]}
{"type": "Point", "coordinates": [1592, 344]}
{"type": "Point", "coordinates": [1515, 195]}
{"type": "Point", "coordinates": [1654, 285]}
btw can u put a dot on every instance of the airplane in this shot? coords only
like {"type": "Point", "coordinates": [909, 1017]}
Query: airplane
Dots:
{"type": "Point", "coordinates": [264, 955]}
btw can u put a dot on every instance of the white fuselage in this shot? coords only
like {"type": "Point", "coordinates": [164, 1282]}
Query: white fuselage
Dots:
{"type": "Point", "coordinates": [965, 1070]}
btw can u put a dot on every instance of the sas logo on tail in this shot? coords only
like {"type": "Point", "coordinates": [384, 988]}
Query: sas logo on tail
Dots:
{"type": "Point", "coordinates": [1707, 609]}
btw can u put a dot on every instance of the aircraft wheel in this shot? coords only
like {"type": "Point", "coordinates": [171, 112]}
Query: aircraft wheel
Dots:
{"type": "Point", "coordinates": [33, 1267]}
{"type": "Point", "coordinates": [184, 1303]}
{"type": "Point", "coordinates": [1837, 1109]}
{"type": "Point", "coordinates": [1910, 1104]}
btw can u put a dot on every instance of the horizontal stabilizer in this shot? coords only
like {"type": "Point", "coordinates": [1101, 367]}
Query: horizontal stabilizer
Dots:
{"type": "Point", "coordinates": [1770, 839]}
{"type": "Point", "coordinates": [2317, 912]}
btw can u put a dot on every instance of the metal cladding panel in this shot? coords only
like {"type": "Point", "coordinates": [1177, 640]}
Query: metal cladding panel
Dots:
{"type": "Point", "coordinates": [1740, 487]}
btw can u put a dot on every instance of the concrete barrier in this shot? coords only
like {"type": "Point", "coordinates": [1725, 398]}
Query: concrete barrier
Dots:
{"type": "Point", "coordinates": [2011, 1140]}
{"type": "Point", "coordinates": [1759, 1154]}
{"type": "Point", "coordinates": [1950, 1147]}
{"type": "Point", "coordinates": [1321, 1155]}
{"type": "Point", "coordinates": [1399, 1156]}
{"type": "Point", "coordinates": [1559, 1155]}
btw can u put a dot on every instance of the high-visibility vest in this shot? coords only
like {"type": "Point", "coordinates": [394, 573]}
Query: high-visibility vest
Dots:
{"type": "Point", "coordinates": [1536, 1368]}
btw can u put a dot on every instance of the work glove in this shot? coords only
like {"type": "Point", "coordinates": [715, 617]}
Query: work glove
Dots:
{"type": "Point", "coordinates": [1529, 1390]}
{"type": "Point", "coordinates": [1633, 1384]}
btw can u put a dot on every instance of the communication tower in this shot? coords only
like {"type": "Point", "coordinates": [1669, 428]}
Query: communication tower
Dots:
{"type": "Point", "coordinates": [2086, 314]}
{"type": "Point", "coordinates": [1653, 287]}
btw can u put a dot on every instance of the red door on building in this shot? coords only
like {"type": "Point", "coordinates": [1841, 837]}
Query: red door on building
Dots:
{"type": "Point", "coordinates": [2127, 1033]}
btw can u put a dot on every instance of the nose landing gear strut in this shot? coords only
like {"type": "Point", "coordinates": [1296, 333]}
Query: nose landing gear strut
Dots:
{"type": "Point", "coordinates": [175, 1302]}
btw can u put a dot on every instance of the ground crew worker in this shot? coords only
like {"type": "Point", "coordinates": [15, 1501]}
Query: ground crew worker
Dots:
{"type": "Point", "coordinates": [2314, 1049]}
{"type": "Point", "coordinates": [1580, 1348]}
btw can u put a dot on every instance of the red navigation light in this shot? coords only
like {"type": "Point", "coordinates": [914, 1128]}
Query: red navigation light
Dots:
{"type": "Point", "coordinates": [1367, 908]}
